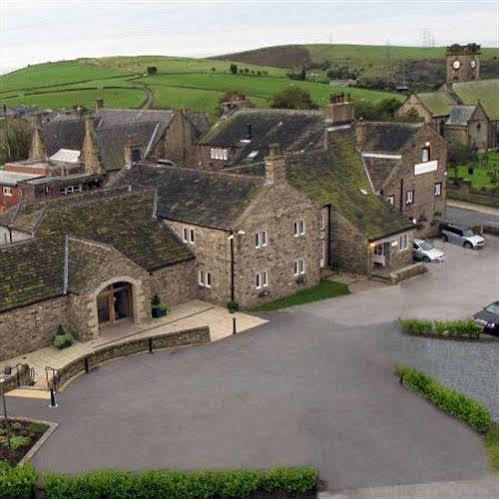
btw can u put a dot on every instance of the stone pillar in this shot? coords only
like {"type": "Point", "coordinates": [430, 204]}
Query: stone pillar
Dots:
{"type": "Point", "coordinates": [275, 166]}
{"type": "Point", "coordinates": [37, 149]}
{"type": "Point", "coordinates": [360, 132]}
{"type": "Point", "coordinates": [90, 153]}
{"type": "Point", "coordinates": [340, 110]}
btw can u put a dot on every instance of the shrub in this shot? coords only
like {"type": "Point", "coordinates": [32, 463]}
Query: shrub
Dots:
{"type": "Point", "coordinates": [157, 309]}
{"type": "Point", "coordinates": [457, 329]}
{"type": "Point", "coordinates": [175, 484]}
{"type": "Point", "coordinates": [17, 441]}
{"type": "Point", "coordinates": [458, 405]}
{"type": "Point", "coordinates": [416, 326]}
{"type": "Point", "coordinates": [17, 482]}
{"type": "Point", "coordinates": [232, 306]}
{"type": "Point", "coordinates": [60, 330]}
{"type": "Point", "coordinates": [63, 341]}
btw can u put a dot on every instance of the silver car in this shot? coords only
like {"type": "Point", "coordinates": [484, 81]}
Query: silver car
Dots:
{"type": "Point", "coordinates": [423, 251]}
{"type": "Point", "coordinates": [462, 235]}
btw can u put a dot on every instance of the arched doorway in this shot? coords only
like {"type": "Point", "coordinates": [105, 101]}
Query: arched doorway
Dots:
{"type": "Point", "coordinates": [114, 303]}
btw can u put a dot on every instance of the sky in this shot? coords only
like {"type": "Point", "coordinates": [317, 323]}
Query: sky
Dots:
{"type": "Point", "coordinates": [47, 30]}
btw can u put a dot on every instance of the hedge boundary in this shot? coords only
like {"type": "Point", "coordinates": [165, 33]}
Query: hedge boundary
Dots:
{"type": "Point", "coordinates": [469, 330]}
{"type": "Point", "coordinates": [20, 483]}
{"type": "Point", "coordinates": [454, 403]}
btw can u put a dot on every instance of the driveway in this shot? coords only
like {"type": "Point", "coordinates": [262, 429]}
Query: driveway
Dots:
{"type": "Point", "coordinates": [314, 386]}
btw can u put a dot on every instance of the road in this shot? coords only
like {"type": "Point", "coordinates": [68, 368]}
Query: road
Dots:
{"type": "Point", "coordinates": [313, 387]}
{"type": "Point", "coordinates": [468, 217]}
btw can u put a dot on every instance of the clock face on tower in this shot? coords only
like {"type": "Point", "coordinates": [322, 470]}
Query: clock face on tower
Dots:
{"type": "Point", "coordinates": [473, 63]}
{"type": "Point", "coordinates": [456, 64]}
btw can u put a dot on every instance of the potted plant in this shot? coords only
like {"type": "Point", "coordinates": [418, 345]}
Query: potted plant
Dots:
{"type": "Point", "coordinates": [63, 338]}
{"type": "Point", "coordinates": [158, 310]}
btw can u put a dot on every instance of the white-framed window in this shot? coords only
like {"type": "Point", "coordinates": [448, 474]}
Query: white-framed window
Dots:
{"type": "Point", "coordinates": [391, 199]}
{"type": "Point", "coordinates": [437, 189]}
{"type": "Point", "coordinates": [7, 191]}
{"type": "Point", "coordinates": [188, 235]}
{"type": "Point", "coordinates": [425, 154]}
{"type": "Point", "coordinates": [299, 266]}
{"type": "Point", "coordinates": [261, 279]}
{"type": "Point", "coordinates": [191, 236]}
{"type": "Point", "coordinates": [299, 228]}
{"type": "Point", "coordinates": [204, 279]}
{"type": "Point", "coordinates": [323, 221]}
{"type": "Point", "coordinates": [219, 153]}
{"type": "Point", "coordinates": [409, 197]}
{"type": "Point", "coordinates": [403, 242]}
{"type": "Point", "coordinates": [261, 239]}
{"type": "Point", "coordinates": [322, 255]}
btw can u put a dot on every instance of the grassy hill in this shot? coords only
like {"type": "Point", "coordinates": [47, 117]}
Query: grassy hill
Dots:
{"type": "Point", "coordinates": [196, 84]}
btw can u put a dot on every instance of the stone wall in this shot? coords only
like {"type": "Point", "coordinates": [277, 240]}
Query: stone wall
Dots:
{"type": "Point", "coordinates": [426, 205]}
{"type": "Point", "coordinates": [179, 140]}
{"type": "Point", "coordinates": [413, 105]}
{"type": "Point", "coordinates": [275, 212]}
{"type": "Point", "coordinates": [25, 329]}
{"type": "Point", "coordinates": [463, 191]}
{"type": "Point", "coordinates": [175, 284]}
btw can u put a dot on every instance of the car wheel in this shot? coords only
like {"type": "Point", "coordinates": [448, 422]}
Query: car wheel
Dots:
{"type": "Point", "coordinates": [468, 245]}
{"type": "Point", "coordinates": [445, 238]}
{"type": "Point", "coordinates": [426, 259]}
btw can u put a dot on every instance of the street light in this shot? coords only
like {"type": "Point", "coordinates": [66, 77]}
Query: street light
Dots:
{"type": "Point", "coordinates": [7, 424]}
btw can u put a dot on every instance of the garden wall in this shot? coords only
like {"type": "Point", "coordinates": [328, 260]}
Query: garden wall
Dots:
{"type": "Point", "coordinates": [465, 192]}
{"type": "Point", "coordinates": [194, 336]}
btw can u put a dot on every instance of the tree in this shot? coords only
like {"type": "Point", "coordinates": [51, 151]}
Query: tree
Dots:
{"type": "Point", "coordinates": [15, 138]}
{"type": "Point", "coordinates": [152, 70]}
{"type": "Point", "coordinates": [213, 69]}
{"type": "Point", "coordinates": [293, 98]}
{"type": "Point", "coordinates": [460, 154]}
{"type": "Point", "coordinates": [233, 68]}
{"type": "Point", "coordinates": [232, 96]}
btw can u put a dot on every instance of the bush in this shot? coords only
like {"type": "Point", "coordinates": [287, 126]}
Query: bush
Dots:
{"type": "Point", "coordinates": [17, 441]}
{"type": "Point", "coordinates": [175, 484]}
{"type": "Point", "coordinates": [456, 329]}
{"type": "Point", "coordinates": [17, 482]}
{"type": "Point", "coordinates": [233, 306]}
{"type": "Point", "coordinates": [458, 405]}
{"type": "Point", "coordinates": [63, 340]}
{"type": "Point", "coordinates": [293, 98]}
{"type": "Point", "coordinates": [158, 310]}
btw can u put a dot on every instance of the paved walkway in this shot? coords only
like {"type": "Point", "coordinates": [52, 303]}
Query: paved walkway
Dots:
{"type": "Point", "coordinates": [486, 210]}
{"type": "Point", "coordinates": [195, 313]}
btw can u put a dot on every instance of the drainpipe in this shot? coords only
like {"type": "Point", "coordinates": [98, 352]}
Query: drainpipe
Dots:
{"type": "Point", "coordinates": [232, 266]}
{"type": "Point", "coordinates": [401, 195]}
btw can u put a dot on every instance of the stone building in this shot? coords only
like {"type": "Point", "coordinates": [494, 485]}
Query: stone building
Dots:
{"type": "Point", "coordinates": [87, 262]}
{"type": "Point", "coordinates": [256, 239]}
{"type": "Point", "coordinates": [463, 62]}
{"type": "Point", "coordinates": [406, 163]}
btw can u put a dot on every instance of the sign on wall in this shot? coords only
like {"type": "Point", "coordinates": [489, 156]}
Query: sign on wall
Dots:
{"type": "Point", "coordinates": [429, 166]}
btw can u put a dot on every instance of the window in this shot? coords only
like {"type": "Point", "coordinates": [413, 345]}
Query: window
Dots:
{"type": "Point", "coordinates": [299, 228]}
{"type": "Point", "coordinates": [7, 191]}
{"type": "Point", "coordinates": [261, 280]}
{"type": "Point", "coordinates": [323, 221]}
{"type": "Point", "coordinates": [204, 279]}
{"type": "Point", "coordinates": [409, 197]}
{"type": "Point", "coordinates": [218, 153]}
{"type": "Point", "coordinates": [188, 235]}
{"type": "Point", "coordinates": [391, 199]}
{"type": "Point", "coordinates": [261, 239]}
{"type": "Point", "coordinates": [425, 154]}
{"type": "Point", "coordinates": [437, 189]}
{"type": "Point", "coordinates": [299, 267]}
{"type": "Point", "coordinates": [403, 243]}
{"type": "Point", "coordinates": [191, 240]}
{"type": "Point", "coordinates": [135, 155]}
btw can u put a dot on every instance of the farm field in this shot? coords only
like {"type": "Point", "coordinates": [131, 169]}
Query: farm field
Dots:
{"type": "Point", "coordinates": [180, 82]}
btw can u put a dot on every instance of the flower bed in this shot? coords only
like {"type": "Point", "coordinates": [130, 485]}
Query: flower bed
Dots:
{"type": "Point", "coordinates": [445, 329]}
{"type": "Point", "coordinates": [24, 435]}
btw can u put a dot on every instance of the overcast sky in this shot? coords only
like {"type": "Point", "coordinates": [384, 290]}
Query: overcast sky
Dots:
{"type": "Point", "coordinates": [45, 30]}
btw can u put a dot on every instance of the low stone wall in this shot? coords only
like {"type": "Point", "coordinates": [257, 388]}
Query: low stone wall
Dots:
{"type": "Point", "coordinates": [465, 192]}
{"type": "Point", "coordinates": [19, 378]}
{"type": "Point", "coordinates": [195, 336]}
{"type": "Point", "coordinates": [408, 272]}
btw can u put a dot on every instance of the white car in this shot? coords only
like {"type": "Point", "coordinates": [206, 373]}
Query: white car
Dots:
{"type": "Point", "coordinates": [424, 251]}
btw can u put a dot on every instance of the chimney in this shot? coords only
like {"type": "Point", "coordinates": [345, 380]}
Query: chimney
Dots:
{"type": "Point", "coordinates": [37, 149]}
{"type": "Point", "coordinates": [99, 104]}
{"type": "Point", "coordinates": [275, 166]}
{"type": "Point", "coordinates": [340, 110]}
{"type": "Point", "coordinates": [130, 146]}
{"type": "Point", "coordinates": [360, 132]}
{"type": "Point", "coordinates": [89, 151]}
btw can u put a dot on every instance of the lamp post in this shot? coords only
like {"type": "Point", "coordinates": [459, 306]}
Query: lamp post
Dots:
{"type": "Point", "coordinates": [7, 424]}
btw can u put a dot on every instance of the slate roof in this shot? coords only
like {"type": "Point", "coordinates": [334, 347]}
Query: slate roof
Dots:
{"type": "Point", "coordinates": [210, 199]}
{"type": "Point", "coordinates": [112, 117]}
{"type": "Point", "coordinates": [460, 115]}
{"type": "Point", "coordinates": [294, 130]}
{"type": "Point", "coordinates": [438, 103]}
{"type": "Point", "coordinates": [380, 169]}
{"type": "Point", "coordinates": [33, 270]}
{"type": "Point", "coordinates": [389, 137]}
{"type": "Point", "coordinates": [336, 177]}
{"type": "Point", "coordinates": [485, 91]}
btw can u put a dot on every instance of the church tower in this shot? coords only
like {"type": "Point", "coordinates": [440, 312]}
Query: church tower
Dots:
{"type": "Point", "coordinates": [463, 62]}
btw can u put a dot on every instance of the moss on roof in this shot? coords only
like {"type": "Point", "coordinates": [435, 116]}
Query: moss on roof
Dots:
{"type": "Point", "coordinates": [337, 177]}
{"type": "Point", "coordinates": [438, 103]}
{"type": "Point", "coordinates": [485, 91]}
{"type": "Point", "coordinates": [388, 136]}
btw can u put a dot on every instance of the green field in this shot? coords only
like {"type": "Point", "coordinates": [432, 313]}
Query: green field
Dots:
{"type": "Point", "coordinates": [478, 175]}
{"type": "Point", "coordinates": [180, 82]}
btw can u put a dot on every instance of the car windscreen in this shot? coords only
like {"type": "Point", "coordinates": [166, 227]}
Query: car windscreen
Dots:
{"type": "Point", "coordinates": [426, 246]}
{"type": "Point", "coordinates": [468, 233]}
{"type": "Point", "coordinates": [493, 309]}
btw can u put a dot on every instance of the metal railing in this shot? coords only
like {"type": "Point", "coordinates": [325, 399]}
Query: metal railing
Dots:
{"type": "Point", "coordinates": [53, 380]}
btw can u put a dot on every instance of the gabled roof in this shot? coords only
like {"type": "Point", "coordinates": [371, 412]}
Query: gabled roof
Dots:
{"type": "Point", "coordinates": [485, 91]}
{"type": "Point", "coordinates": [337, 177]}
{"type": "Point", "coordinates": [105, 117]}
{"type": "Point", "coordinates": [66, 156]}
{"type": "Point", "coordinates": [438, 103]}
{"type": "Point", "coordinates": [389, 137]}
{"type": "Point", "coordinates": [199, 197]}
{"type": "Point", "coordinates": [33, 270]}
{"type": "Point", "coordinates": [460, 115]}
{"type": "Point", "coordinates": [294, 130]}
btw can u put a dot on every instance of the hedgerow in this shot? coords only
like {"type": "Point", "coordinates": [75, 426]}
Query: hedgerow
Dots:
{"type": "Point", "coordinates": [17, 482]}
{"type": "Point", "coordinates": [453, 329]}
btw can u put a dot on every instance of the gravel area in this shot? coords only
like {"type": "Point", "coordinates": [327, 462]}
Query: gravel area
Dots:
{"type": "Point", "coordinates": [468, 367]}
